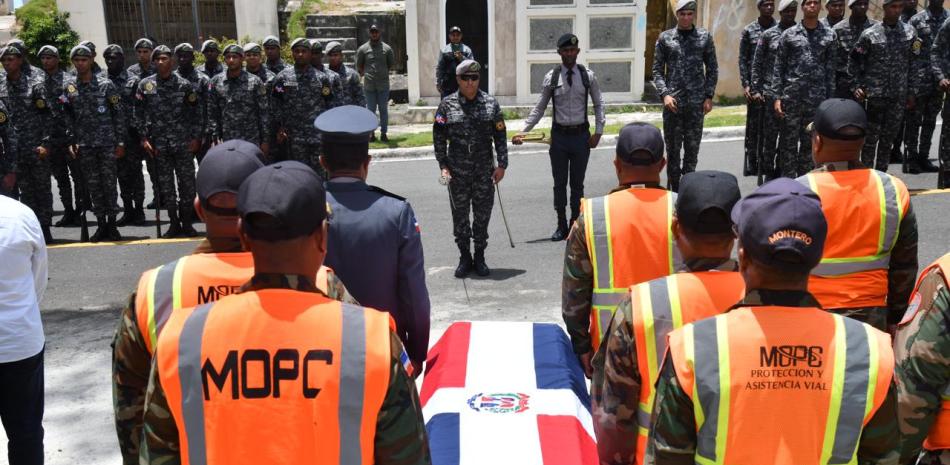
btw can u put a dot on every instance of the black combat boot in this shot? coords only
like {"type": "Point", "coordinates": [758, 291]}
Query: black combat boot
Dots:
{"type": "Point", "coordinates": [47, 235]}
{"type": "Point", "coordinates": [928, 166]}
{"type": "Point", "coordinates": [102, 230]}
{"type": "Point", "coordinates": [943, 179]}
{"type": "Point", "coordinates": [174, 227]}
{"type": "Point", "coordinates": [561, 232]}
{"type": "Point", "coordinates": [187, 230]}
{"type": "Point", "coordinates": [481, 268]}
{"type": "Point", "coordinates": [70, 218]}
{"type": "Point", "coordinates": [674, 184]}
{"type": "Point", "coordinates": [128, 213]}
{"type": "Point", "coordinates": [465, 262]}
{"type": "Point", "coordinates": [113, 230]}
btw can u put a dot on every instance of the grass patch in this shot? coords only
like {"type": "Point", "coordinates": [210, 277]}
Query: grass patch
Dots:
{"type": "Point", "coordinates": [35, 9]}
{"type": "Point", "coordinates": [297, 23]}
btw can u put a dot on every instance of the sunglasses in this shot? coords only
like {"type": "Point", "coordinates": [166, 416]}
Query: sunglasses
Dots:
{"type": "Point", "coordinates": [469, 77]}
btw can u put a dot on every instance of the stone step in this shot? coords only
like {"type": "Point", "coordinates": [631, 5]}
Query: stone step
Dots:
{"type": "Point", "coordinates": [348, 43]}
{"type": "Point", "coordinates": [330, 32]}
{"type": "Point", "coordinates": [331, 21]}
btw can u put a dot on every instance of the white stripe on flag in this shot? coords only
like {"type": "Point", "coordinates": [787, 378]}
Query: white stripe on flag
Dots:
{"type": "Point", "coordinates": [501, 357]}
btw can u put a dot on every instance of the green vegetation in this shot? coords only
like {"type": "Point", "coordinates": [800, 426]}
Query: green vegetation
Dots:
{"type": "Point", "coordinates": [297, 23]}
{"type": "Point", "coordinates": [42, 24]}
{"type": "Point", "coordinates": [35, 9]}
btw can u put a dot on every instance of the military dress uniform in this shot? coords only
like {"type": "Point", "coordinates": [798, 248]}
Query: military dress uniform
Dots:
{"type": "Point", "coordinates": [762, 65]}
{"type": "Point", "coordinates": [463, 134]}
{"type": "Point", "coordinates": [238, 108]}
{"type": "Point", "coordinates": [921, 121]}
{"type": "Point", "coordinates": [882, 63]}
{"type": "Point", "coordinates": [803, 77]}
{"type": "Point", "coordinates": [940, 65]}
{"type": "Point", "coordinates": [684, 67]}
{"type": "Point", "coordinates": [450, 56]}
{"type": "Point", "coordinates": [755, 111]}
{"type": "Point", "coordinates": [299, 96]}
{"type": "Point", "coordinates": [846, 35]}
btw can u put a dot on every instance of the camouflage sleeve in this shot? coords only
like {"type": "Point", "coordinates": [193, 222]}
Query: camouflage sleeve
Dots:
{"type": "Point", "coordinates": [500, 136]}
{"type": "Point", "coordinates": [857, 60]}
{"type": "Point", "coordinates": [830, 64]}
{"type": "Point", "coordinates": [119, 119]}
{"type": "Point", "coordinates": [778, 70]}
{"type": "Point", "coordinates": [139, 110]}
{"type": "Point", "coordinates": [356, 89]}
{"type": "Point", "coordinates": [880, 439]}
{"type": "Point", "coordinates": [659, 66]}
{"type": "Point", "coordinates": [917, 65]}
{"type": "Point", "coordinates": [440, 137]}
{"type": "Point", "coordinates": [214, 112]}
{"type": "Point", "coordinates": [712, 68]}
{"type": "Point", "coordinates": [746, 53]}
{"type": "Point", "coordinates": [758, 66]}
{"type": "Point", "coordinates": [263, 109]}
{"type": "Point", "coordinates": [673, 424]}
{"type": "Point", "coordinates": [615, 390]}
{"type": "Point", "coordinates": [130, 368]}
{"type": "Point", "coordinates": [940, 53]}
{"type": "Point", "coordinates": [577, 288]}
{"type": "Point", "coordinates": [923, 364]}
{"type": "Point", "coordinates": [336, 290]}
{"type": "Point", "coordinates": [160, 442]}
{"type": "Point", "coordinates": [192, 112]}
{"type": "Point", "coordinates": [400, 430]}
{"type": "Point", "coordinates": [902, 271]}
{"type": "Point", "coordinates": [8, 157]}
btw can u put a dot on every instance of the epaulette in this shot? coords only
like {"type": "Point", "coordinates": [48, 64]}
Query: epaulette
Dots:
{"type": "Point", "coordinates": [386, 193]}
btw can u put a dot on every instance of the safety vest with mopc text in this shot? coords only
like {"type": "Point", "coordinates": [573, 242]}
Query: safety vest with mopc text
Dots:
{"type": "Point", "coordinates": [864, 208]}
{"type": "Point", "coordinates": [783, 385]}
{"type": "Point", "coordinates": [629, 241]}
{"type": "Point", "coordinates": [665, 304]}
{"type": "Point", "coordinates": [190, 281]}
{"type": "Point", "coordinates": [939, 436]}
{"type": "Point", "coordinates": [275, 376]}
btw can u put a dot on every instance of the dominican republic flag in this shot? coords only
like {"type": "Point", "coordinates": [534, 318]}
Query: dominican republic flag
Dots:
{"type": "Point", "coordinates": [498, 393]}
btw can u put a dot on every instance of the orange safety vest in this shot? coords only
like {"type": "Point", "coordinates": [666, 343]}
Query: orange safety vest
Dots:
{"type": "Point", "coordinates": [275, 376]}
{"type": "Point", "coordinates": [629, 241]}
{"type": "Point", "coordinates": [663, 305]}
{"type": "Point", "coordinates": [939, 436]}
{"type": "Point", "coordinates": [864, 208]}
{"type": "Point", "coordinates": [783, 385]}
{"type": "Point", "coordinates": [190, 281]}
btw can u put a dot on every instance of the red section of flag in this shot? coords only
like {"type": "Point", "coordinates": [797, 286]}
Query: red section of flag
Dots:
{"type": "Point", "coordinates": [565, 442]}
{"type": "Point", "coordinates": [447, 361]}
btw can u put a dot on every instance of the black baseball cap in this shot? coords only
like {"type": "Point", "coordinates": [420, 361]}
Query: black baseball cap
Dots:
{"type": "Point", "coordinates": [224, 168]}
{"type": "Point", "coordinates": [781, 225]}
{"type": "Point", "coordinates": [290, 193]}
{"type": "Point", "coordinates": [640, 144]}
{"type": "Point", "coordinates": [705, 201]}
{"type": "Point", "coordinates": [835, 114]}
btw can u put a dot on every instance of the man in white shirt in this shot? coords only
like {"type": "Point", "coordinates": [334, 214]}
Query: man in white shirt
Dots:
{"type": "Point", "coordinates": [22, 282]}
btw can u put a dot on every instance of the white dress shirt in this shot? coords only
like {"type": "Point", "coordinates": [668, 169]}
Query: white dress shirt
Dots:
{"type": "Point", "coordinates": [23, 272]}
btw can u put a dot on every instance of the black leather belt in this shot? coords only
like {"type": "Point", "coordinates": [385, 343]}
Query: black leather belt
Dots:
{"type": "Point", "coordinates": [573, 129]}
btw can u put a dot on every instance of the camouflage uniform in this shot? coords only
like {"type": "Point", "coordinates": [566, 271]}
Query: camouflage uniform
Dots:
{"type": "Point", "coordinates": [463, 134]}
{"type": "Point", "coordinates": [940, 65]}
{"type": "Point", "coordinates": [135, 75]}
{"type": "Point", "coordinates": [881, 63]}
{"type": "Point", "coordinates": [923, 368]}
{"type": "Point", "coordinates": [96, 122]}
{"type": "Point", "coordinates": [400, 435]}
{"type": "Point", "coordinates": [846, 35]}
{"type": "Point", "coordinates": [755, 114]}
{"type": "Point", "coordinates": [299, 97]}
{"type": "Point", "coordinates": [167, 114]}
{"type": "Point", "coordinates": [8, 137]}
{"type": "Point", "coordinates": [61, 163]}
{"type": "Point", "coordinates": [615, 386]}
{"type": "Point", "coordinates": [762, 65]}
{"type": "Point", "coordinates": [212, 69]}
{"type": "Point", "coordinates": [802, 79]}
{"type": "Point", "coordinates": [921, 121]}
{"type": "Point", "coordinates": [265, 75]}
{"type": "Point", "coordinates": [450, 56]}
{"type": "Point", "coordinates": [350, 90]}
{"type": "Point", "coordinates": [673, 426]}
{"type": "Point", "coordinates": [30, 113]}
{"type": "Point", "coordinates": [238, 108]}
{"type": "Point", "coordinates": [129, 167]}
{"type": "Point", "coordinates": [685, 67]}
{"type": "Point", "coordinates": [276, 67]}
{"type": "Point", "coordinates": [131, 359]}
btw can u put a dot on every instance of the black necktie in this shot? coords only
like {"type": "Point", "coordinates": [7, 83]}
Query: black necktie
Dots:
{"type": "Point", "coordinates": [570, 77]}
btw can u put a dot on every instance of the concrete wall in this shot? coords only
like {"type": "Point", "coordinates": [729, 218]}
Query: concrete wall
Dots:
{"type": "Point", "coordinates": [429, 42]}
{"type": "Point", "coordinates": [256, 18]}
{"type": "Point", "coordinates": [506, 73]}
{"type": "Point", "coordinates": [87, 19]}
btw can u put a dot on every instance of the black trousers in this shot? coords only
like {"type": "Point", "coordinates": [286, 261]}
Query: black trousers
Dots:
{"type": "Point", "coordinates": [21, 409]}
{"type": "Point", "coordinates": [569, 155]}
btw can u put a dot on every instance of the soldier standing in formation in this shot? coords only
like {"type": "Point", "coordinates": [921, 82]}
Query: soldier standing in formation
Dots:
{"type": "Point", "coordinates": [25, 98]}
{"type": "Point", "coordinates": [167, 117]}
{"type": "Point", "coordinates": [316, 59]}
{"type": "Point", "coordinates": [921, 121]}
{"type": "Point", "coordinates": [299, 97]}
{"type": "Point", "coordinates": [451, 55]}
{"type": "Point", "coordinates": [237, 104]}
{"type": "Point", "coordinates": [882, 64]}
{"type": "Point", "coordinates": [685, 73]}
{"type": "Point", "coordinates": [762, 65]}
{"type": "Point", "coordinates": [61, 163]}
{"type": "Point", "coordinates": [97, 132]}
{"type": "Point", "coordinates": [803, 78]}
{"type": "Point", "coordinates": [254, 64]}
{"type": "Point", "coordinates": [755, 114]}
{"type": "Point", "coordinates": [846, 35]}
{"type": "Point", "coordinates": [471, 119]}
{"type": "Point", "coordinates": [940, 65]}
{"type": "Point", "coordinates": [835, 14]}
{"type": "Point", "coordinates": [211, 50]}
{"type": "Point", "coordinates": [185, 61]}
{"type": "Point", "coordinates": [275, 63]}
{"type": "Point", "coordinates": [129, 167]}
{"type": "Point", "coordinates": [350, 90]}
{"type": "Point", "coordinates": [142, 69]}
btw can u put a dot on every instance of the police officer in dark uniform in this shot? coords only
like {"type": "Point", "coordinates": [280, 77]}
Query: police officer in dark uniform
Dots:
{"type": "Point", "coordinates": [211, 50]}
{"type": "Point", "coordinates": [451, 55]}
{"type": "Point", "coordinates": [271, 46]}
{"type": "Point", "coordinates": [374, 243]}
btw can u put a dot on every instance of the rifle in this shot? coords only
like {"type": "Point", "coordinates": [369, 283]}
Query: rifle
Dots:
{"type": "Point", "coordinates": [81, 204]}
{"type": "Point", "coordinates": [759, 142]}
{"type": "Point", "coordinates": [158, 214]}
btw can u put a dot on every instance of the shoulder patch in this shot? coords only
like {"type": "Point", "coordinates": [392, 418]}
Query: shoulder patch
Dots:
{"type": "Point", "coordinates": [262, 90]}
{"type": "Point", "coordinates": [386, 193]}
{"type": "Point", "coordinates": [439, 119]}
{"type": "Point", "coordinates": [114, 99]}
{"type": "Point", "coordinates": [40, 103]}
{"type": "Point", "coordinates": [149, 86]}
{"type": "Point", "coordinates": [192, 97]}
{"type": "Point", "coordinates": [70, 88]}
{"type": "Point", "coordinates": [500, 125]}
{"type": "Point", "coordinates": [326, 91]}
{"type": "Point", "coordinates": [3, 117]}
{"type": "Point", "coordinates": [917, 46]}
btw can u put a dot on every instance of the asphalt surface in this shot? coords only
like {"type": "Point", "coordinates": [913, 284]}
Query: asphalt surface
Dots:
{"type": "Point", "coordinates": [88, 285]}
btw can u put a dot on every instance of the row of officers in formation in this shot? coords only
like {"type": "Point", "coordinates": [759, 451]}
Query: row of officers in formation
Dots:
{"type": "Point", "coordinates": [819, 344]}
{"type": "Point", "coordinates": [92, 128]}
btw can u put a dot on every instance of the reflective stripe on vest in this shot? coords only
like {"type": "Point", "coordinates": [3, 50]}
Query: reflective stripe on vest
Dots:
{"type": "Point", "coordinates": [164, 295]}
{"type": "Point", "coordinates": [853, 393]}
{"type": "Point", "coordinates": [611, 286]}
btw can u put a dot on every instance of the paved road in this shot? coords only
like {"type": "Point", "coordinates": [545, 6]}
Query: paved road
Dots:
{"type": "Point", "coordinates": [88, 285]}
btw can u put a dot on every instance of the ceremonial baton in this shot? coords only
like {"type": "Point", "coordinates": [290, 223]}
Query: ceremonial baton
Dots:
{"type": "Point", "coordinates": [502, 206]}
{"type": "Point", "coordinates": [536, 136]}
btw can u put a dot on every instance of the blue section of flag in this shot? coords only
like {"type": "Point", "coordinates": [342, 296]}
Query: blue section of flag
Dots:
{"type": "Point", "coordinates": [555, 365]}
{"type": "Point", "coordinates": [443, 430]}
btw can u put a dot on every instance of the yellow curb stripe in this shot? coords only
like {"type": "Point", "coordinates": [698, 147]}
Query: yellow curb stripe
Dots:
{"type": "Point", "coordinates": [914, 193]}
{"type": "Point", "coordinates": [136, 242]}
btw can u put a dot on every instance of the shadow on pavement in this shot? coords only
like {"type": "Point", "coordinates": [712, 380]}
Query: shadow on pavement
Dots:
{"type": "Point", "coordinates": [498, 274]}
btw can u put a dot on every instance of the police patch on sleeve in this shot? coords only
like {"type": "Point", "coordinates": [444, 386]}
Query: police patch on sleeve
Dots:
{"type": "Point", "coordinates": [917, 45]}
{"type": "Point", "coordinates": [114, 100]}
{"type": "Point", "coordinates": [71, 89]}
{"type": "Point", "coordinates": [3, 117]}
{"type": "Point", "coordinates": [326, 91]}
{"type": "Point", "coordinates": [912, 308]}
{"type": "Point", "coordinates": [149, 86]}
{"type": "Point", "coordinates": [40, 103]}
{"type": "Point", "coordinates": [192, 97]}
{"type": "Point", "coordinates": [439, 119]}
{"type": "Point", "coordinates": [263, 90]}
{"type": "Point", "coordinates": [500, 125]}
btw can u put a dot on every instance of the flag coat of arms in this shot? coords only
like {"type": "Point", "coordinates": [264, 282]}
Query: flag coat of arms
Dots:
{"type": "Point", "coordinates": [498, 393]}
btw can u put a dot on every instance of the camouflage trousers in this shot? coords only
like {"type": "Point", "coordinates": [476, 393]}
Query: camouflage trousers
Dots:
{"type": "Point", "coordinates": [471, 190]}
{"type": "Point", "coordinates": [308, 154]}
{"type": "Point", "coordinates": [173, 165]}
{"type": "Point", "coordinates": [754, 131]}
{"type": "Point", "coordinates": [884, 124]}
{"type": "Point", "coordinates": [936, 457]}
{"type": "Point", "coordinates": [152, 169]}
{"type": "Point", "coordinates": [943, 154]}
{"type": "Point", "coordinates": [920, 125]}
{"type": "Point", "coordinates": [98, 166]}
{"type": "Point", "coordinates": [771, 124]}
{"type": "Point", "coordinates": [62, 164]}
{"type": "Point", "coordinates": [33, 180]}
{"type": "Point", "coordinates": [131, 179]}
{"type": "Point", "coordinates": [794, 153]}
{"type": "Point", "coordinates": [682, 130]}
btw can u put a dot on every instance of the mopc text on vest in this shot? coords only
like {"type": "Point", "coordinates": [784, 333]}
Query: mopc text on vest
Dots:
{"type": "Point", "coordinates": [256, 374]}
